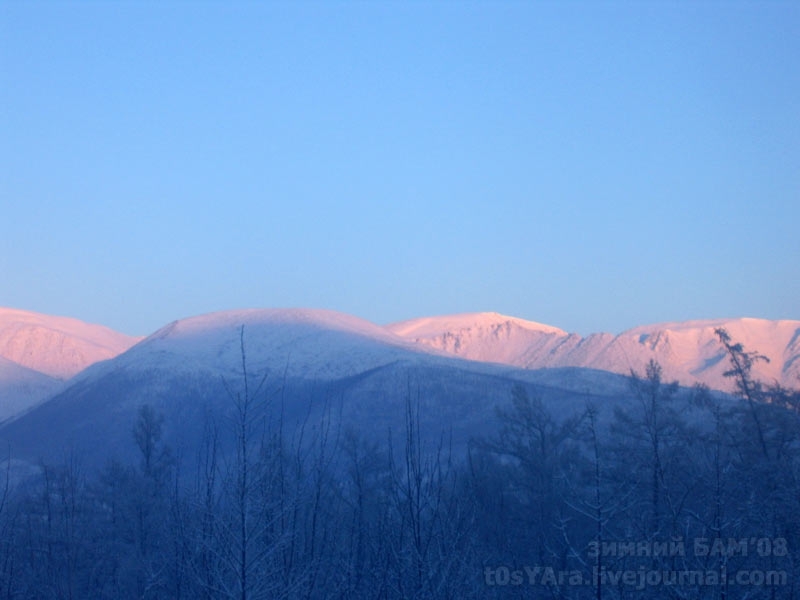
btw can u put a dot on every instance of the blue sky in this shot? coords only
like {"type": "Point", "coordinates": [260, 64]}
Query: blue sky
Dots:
{"type": "Point", "coordinates": [592, 166]}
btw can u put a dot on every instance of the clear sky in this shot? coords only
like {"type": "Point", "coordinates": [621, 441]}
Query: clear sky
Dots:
{"type": "Point", "coordinates": [588, 165]}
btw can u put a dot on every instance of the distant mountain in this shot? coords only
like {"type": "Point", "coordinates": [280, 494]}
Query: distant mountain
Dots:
{"type": "Point", "coordinates": [22, 388]}
{"type": "Point", "coordinates": [488, 337]}
{"type": "Point", "coordinates": [39, 352]}
{"type": "Point", "coordinates": [317, 367]}
{"type": "Point", "coordinates": [688, 352]}
{"type": "Point", "coordinates": [59, 347]}
{"type": "Point", "coordinates": [321, 366]}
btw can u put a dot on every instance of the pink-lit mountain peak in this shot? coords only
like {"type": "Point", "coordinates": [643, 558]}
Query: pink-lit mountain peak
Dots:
{"type": "Point", "coordinates": [688, 351]}
{"type": "Point", "coordinates": [57, 346]}
{"type": "Point", "coordinates": [487, 336]}
{"type": "Point", "coordinates": [693, 347]}
{"type": "Point", "coordinates": [427, 327]}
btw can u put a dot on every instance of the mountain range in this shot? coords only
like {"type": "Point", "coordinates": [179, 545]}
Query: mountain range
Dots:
{"type": "Point", "coordinates": [688, 352]}
{"type": "Point", "coordinates": [64, 383]}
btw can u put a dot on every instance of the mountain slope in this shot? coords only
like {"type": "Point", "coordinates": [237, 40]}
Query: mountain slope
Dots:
{"type": "Point", "coordinates": [293, 342]}
{"type": "Point", "coordinates": [691, 350]}
{"type": "Point", "coordinates": [22, 388]}
{"type": "Point", "coordinates": [488, 337]}
{"type": "Point", "coordinates": [57, 346]}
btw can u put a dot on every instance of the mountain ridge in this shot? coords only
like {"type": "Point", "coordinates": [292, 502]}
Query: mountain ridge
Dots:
{"type": "Point", "coordinates": [689, 352]}
{"type": "Point", "coordinates": [310, 367]}
{"type": "Point", "coordinates": [58, 347]}
{"type": "Point", "coordinates": [364, 373]}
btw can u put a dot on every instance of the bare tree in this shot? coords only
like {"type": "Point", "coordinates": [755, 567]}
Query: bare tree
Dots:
{"type": "Point", "coordinates": [654, 427]}
{"type": "Point", "coordinates": [540, 447]}
{"type": "Point", "coordinates": [7, 530]}
{"type": "Point", "coordinates": [746, 387]}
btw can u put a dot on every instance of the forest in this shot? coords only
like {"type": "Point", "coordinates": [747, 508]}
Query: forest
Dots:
{"type": "Point", "coordinates": [679, 494]}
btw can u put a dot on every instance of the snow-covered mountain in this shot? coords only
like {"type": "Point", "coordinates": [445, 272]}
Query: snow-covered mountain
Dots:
{"type": "Point", "coordinates": [39, 352]}
{"type": "Point", "coordinates": [689, 352]}
{"type": "Point", "coordinates": [317, 366]}
{"type": "Point", "coordinates": [59, 347]}
{"type": "Point", "coordinates": [458, 367]}
{"type": "Point", "coordinates": [488, 337]}
{"type": "Point", "coordinates": [315, 344]}
{"type": "Point", "coordinates": [22, 388]}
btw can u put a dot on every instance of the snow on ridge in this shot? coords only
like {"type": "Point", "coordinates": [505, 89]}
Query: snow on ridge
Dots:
{"type": "Point", "coordinates": [688, 351]}
{"type": "Point", "coordinates": [330, 344]}
{"type": "Point", "coordinates": [304, 342]}
{"type": "Point", "coordinates": [57, 346]}
{"type": "Point", "coordinates": [260, 317]}
{"type": "Point", "coordinates": [486, 337]}
{"type": "Point", "coordinates": [431, 326]}
{"type": "Point", "coordinates": [694, 346]}
{"type": "Point", "coordinates": [90, 332]}
{"type": "Point", "coordinates": [739, 323]}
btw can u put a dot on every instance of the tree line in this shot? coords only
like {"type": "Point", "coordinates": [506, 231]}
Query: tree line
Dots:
{"type": "Point", "coordinates": [670, 495]}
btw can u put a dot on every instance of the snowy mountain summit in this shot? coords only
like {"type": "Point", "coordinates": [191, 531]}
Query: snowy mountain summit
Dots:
{"type": "Point", "coordinates": [293, 342]}
{"type": "Point", "coordinates": [487, 337]}
{"type": "Point", "coordinates": [689, 352]}
{"type": "Point", "coordinates": [59, 347]}
{"type": "Point", "coordinates": [38, 353]}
